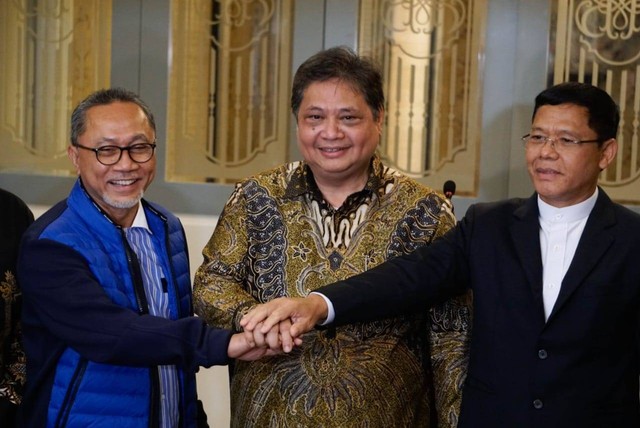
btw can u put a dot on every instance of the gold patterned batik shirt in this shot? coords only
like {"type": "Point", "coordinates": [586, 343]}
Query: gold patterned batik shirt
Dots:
{"type": "Point", "coordinates": [278, 237]}
{"type": "Point", "coordinates": [12, 358]}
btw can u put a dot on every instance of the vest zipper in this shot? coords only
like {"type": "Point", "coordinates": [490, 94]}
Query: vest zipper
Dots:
{"type": "Point", "coordinates": [136, 276]}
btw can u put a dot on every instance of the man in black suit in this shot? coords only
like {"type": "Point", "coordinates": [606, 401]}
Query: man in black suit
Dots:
{"type": "Point", "coordinates": [555, 278]}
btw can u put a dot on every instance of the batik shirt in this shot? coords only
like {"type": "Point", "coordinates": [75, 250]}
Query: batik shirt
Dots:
{"type": "Point", "coordinates": [278, 237]}
{"type": "Point", "coordinates": [15, 217]}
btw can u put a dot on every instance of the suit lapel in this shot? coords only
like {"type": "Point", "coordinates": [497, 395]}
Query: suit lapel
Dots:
{"type": "Point", "coordinates": [525, 235]}
{"type": "Point", "coordinates": [594, 242]}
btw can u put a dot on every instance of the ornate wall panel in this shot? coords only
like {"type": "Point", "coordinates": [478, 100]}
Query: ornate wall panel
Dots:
{"type": "Point", "coordinates": [431, 52]}
{"type": "Point", "coordinates": [53, 53]}
{"type": "Point", "coordinates": [228, 114]}
{"type": "Point", "coordinates": [598, 41]}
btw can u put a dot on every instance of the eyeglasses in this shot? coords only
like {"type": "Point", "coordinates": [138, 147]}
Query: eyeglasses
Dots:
{"type": "Point", "coordinates": [559, 144]}
{"type": "Point", "coordinates": [111, 155]}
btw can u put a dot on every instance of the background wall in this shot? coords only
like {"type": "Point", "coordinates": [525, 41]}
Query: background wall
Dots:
{"type": "Point", "coordinates": [514, 72]}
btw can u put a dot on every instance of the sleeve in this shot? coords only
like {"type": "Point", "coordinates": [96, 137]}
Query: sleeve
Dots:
{"type": "Point", "coordinates": [449, 334]}
{"type": "Point", "coordinates": [63, 297]}
{"type": "Point", "coordinates": [638, 336]}
{"type": "Point", "coordinates": [219, 292]}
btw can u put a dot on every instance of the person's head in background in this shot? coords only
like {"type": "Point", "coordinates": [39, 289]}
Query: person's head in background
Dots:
{"type": "Point", "coordinates": [338, 102]}
{"type": "Point", "coordinates": [103, 124]}
{"type": "Point", "coordinates": [572, 139]}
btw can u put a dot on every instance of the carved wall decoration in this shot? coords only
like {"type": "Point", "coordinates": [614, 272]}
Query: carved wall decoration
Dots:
{"type": "Point", "coordinates": [431, 52]}
{"type": "Point", "coordinates": [53, 53]}
{"type": "Point", "coordinates": [598, 41]}
{"type": "Point", "coordinates": [228, 111]}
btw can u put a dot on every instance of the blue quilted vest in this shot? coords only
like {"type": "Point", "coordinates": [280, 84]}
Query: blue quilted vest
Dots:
{"type": "Point", "coordinates": [86, 393]}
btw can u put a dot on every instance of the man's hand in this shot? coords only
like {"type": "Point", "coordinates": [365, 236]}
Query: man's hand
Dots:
{"type": "Point", "coordinates": [304, 315]}
{"type": "Point", "coordinates": [240, 348]}
{"type": "Point", "coordinates": [278, 338]}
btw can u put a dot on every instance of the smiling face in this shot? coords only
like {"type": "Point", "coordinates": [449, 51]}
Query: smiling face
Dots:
{"type": "Point", "coordinates": [570, 176]}
{"type": "Point", "coordinates": [117, 188]}
{"type": "Point", "coordinates": [337, 133]}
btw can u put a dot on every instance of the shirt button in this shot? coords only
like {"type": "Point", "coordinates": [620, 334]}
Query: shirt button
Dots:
{"type": "Point", "coordinates": [537, 404]}
{"type": "Point", "coordinates": [542, 354]}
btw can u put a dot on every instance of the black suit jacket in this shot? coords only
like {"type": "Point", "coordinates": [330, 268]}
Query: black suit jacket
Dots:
{"type": "Point", "coordinates": [578, 369]}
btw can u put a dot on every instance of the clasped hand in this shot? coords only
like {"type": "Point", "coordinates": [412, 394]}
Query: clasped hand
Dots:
{"type": "Point", "coordinates": [279, 323]}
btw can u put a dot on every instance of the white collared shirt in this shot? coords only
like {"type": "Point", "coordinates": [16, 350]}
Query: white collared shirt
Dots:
{"type": "Point", "coordinates": [140, 219]}
{"type": "Point", "coordinates": [560, 232]}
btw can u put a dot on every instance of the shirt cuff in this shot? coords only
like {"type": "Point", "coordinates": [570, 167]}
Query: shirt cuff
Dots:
{"type": "Point", "coordinates": [331, 314]}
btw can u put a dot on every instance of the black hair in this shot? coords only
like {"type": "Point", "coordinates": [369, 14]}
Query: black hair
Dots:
{"type": "Point", "coordinates": [341, 63]}
{"type": "Point", "coordinates": [604, 115]}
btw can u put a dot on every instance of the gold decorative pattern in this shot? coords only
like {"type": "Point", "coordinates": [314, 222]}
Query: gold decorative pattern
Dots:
{"type": "Point", "coordinates": [598, 42]}
{"type": "Point", "coordinates": [53, 53]}
{"type": "Point", "coordinates": [431, 53]}
{"type": "Point", "coordinates": [14, 371]}
{"type": "Point", "coordinates": [228, 110]}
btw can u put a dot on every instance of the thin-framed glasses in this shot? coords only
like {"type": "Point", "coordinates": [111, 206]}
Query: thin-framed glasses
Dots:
{"type": "Point", "coordinates": [111, 155]}
{"type": "Point", "coordinates": [533, 141]}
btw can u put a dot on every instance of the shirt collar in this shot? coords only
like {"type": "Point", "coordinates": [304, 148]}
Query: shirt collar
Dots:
{"type": "Point", "coordinates": [568, 214]}
{"type": "Point", "coordinates": [141, 218]}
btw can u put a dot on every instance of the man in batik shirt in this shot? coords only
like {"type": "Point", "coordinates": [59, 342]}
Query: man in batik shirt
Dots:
{"type": "Point", "coordinates": [288, 231]}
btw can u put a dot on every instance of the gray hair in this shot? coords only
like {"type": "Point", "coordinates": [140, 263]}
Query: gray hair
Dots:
{"type": "Point", "coordinates": [104, 97]}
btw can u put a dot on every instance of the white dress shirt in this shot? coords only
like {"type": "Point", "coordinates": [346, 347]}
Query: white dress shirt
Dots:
{"type": "Point", "coordinates": [560, 232]}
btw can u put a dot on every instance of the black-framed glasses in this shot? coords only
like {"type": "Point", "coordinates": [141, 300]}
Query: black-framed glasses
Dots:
{"type": "Point", "coordinates": [534, 141]}
{"type": "Point", "coordinates": [111, 155]}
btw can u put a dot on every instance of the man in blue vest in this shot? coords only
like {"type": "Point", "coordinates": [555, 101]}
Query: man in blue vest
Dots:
{"type": "Point", "coordinates": [107, 318]}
